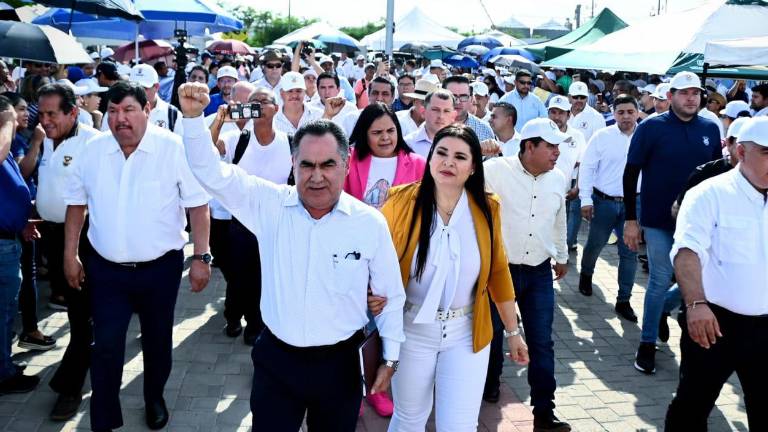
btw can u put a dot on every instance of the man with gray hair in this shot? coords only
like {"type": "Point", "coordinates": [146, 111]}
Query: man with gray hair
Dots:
{"type": "Point", "coordinates": [314, 298]}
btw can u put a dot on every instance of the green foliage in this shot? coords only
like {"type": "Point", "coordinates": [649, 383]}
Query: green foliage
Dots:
{"type": "Point", "coordinates": [364, 30]}
{"type": "Point", "coordinates": [263, 27]}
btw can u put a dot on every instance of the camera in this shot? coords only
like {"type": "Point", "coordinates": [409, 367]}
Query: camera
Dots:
{"type": "Point", "coordinates": [180, 33]}
{"type": "Point", "coordinates": [244, 111]}
{"type": "Point", "coordinates": [307, 49]}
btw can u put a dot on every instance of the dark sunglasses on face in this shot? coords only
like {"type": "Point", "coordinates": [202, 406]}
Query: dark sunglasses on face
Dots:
{"type": "Point", "coordinates": [273, 65]}
{"type": "Point", "coordinates": [525, 83]}
{"type": "Point", "coordinates": [579, 97]}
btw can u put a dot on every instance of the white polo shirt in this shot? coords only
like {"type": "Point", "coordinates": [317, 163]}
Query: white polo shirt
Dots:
{"type": "Point", "coordinates": [588, 121]}
{"type": "Point", "coordinates": [55, 171]}
{"type": "Point", "coordinates": [407, 125]}
{"type": "Point", "coordinates": [136, 205]}
{"type": "Point", "coordinates": [282, 124]}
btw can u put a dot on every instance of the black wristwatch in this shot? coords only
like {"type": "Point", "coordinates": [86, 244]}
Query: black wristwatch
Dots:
{"type": "Point", "coordinates": [206, 257]}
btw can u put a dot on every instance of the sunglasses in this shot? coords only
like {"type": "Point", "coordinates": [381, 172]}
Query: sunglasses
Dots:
{"type": "Point", "coordinates": [579, 97]}
{"type": "Point", "coordinates": [273, 65]}
{"type": "Point", "coordinates": [525, 83]}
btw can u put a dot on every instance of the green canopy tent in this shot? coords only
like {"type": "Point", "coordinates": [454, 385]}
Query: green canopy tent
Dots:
{"type": "Point", "coordinates": [606, 22]}
{"type": "Point", "coordinates": [672, 42]}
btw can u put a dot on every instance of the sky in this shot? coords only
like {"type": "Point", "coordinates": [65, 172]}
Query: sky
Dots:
{"type": "Point", "coordinates": [466, 15]}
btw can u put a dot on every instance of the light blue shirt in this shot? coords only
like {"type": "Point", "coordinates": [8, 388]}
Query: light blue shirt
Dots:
{"type": "Point", "coordinates": [528, 108]}
{"type": "Point", "coordinates": [346, 87]}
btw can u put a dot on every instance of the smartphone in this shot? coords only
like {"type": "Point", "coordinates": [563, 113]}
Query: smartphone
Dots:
{"type": "Point", "coordinates": [599, 98]}
{"type": "Point", "coordinates": [244, 111]}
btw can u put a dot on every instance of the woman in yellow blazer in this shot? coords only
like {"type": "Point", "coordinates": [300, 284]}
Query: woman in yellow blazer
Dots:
{"type": "Point", "coordinates": [451, 271]}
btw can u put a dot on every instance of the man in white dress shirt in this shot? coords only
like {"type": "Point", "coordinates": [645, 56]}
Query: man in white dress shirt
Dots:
{"type": "Point", "coordinates": [314, 298]}
{"type": "Point", "coordinates": [503, 119]}
{"type": "Point", "coordinates": [329, 91]}
{"type": "Point", "coordinates": [532, 196]}
{"type": "Point", "coordinates": [583, 117]}
{"type": "Point", "coordinates": [602, 200]}
{"type": "Point", "coordinates": [62, 150]}
{"type": "Point", "coordinates": [294, 112]}
{"type": "Point", "coordinates": [720, 255]}
{"type": "Point", "coordinates": [412, 118]}
{"type": "Point", "coordinates": [440, 111]}
{"type": "Point", "coordinates": [136, 185]}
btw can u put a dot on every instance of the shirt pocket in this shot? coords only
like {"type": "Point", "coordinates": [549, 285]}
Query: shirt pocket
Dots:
{"type": "Point", "coordinates": [350, 276]}
{"type": "Point", "coordinates": [735, 242]}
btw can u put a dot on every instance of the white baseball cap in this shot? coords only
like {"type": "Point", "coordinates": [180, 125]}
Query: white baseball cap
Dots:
{"type": "Point", "coordinates": [661, 91]}
{"type": "Point", "coordinates": [227, 71]}
{"type": "Point", "coordinates": [685, 80]}
{"type": "Point", "coordinates": [436, 63]}
{"type": "Point", "coordinates": [143, 74]}
{"type": "Point", "coordinates": [755, 130]}
{"type": "Point", "coordinates": [94, 55]}
{"type": "Point", "coordinates": [650, 89]}
{"type": "Point", "coordinates": [106, 52]}
{"type": "Point", "coordinates": [91, 85]}
{"type": "Point", "coordinates": [578, 88]}
{"type": "Point", "coordinates": [734, 130]}
{"type": "Point", "coordinates": [77, 90]}
{"type": "Point", "coordinates": [551, 75]}
{"type": "Point", "coordinates": [560, 102]}
{"type": "Point", "coordinates": [325, 59]}
{"type": "Point", "coordinates": [545, 129]}
{"type": "Point", "coordinates": [509, 79]}
{"type": "Point", "coordinates": [291, 81]}
{"type": "Point", "coordinates": [733, 108]}
{"type": "Point", "coordinates": [309, 72]}
{"type": "Point", "coordinates": [359, 57]}
{"type": "Point", "coordinates": [479, 88]}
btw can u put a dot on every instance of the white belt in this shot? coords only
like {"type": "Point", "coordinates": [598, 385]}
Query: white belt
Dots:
{"type": "Point", "coordinates": [443, 315]}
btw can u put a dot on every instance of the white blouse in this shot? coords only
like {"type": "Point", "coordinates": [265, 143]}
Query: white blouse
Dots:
{"type": "Point", "coordinates": [452, 267]}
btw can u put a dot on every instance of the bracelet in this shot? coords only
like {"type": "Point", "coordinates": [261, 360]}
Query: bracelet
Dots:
{"type": "Point", "coordinates": [509, 334]}
{"type": "Point", "coordinates": [692, 305]}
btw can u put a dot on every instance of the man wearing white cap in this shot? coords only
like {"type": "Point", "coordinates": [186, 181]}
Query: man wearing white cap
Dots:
{"type": "Point", "coordinates": [646, 100]}
{"type": "Point", "coordinates": [162, 113]}
{"type": "Point", "coordinates": [583, 117]}
{"type": "Point", "coordinates": [660, 101]}
{"type": "Point", "coordinates": [559, 111]}
{"type": "Point", "coordinates": [90, 101]}
{"type": "Point", "coordinates": [732, 111]}
{"type": "Point", "coordinates": [226, 77]}
{"type": "Point", "coordinates": [310, 82]}
{"type": "Point", "coordinates": [358, 70]}
{"type": "Point", "coordinates": [294, 112]}
{"type": "Point", "coordinates": [437, 67]}
{"type": "Point", "coordinates": [666, 148]}
{"type": "Point", "coordinates": [480, 91]}
{"type": "Point", "coordinates": [532, 194]}
{"type": "Point", "coordinates": [720, 255]}
{"type": "Point", "coordinates": [412, 118]}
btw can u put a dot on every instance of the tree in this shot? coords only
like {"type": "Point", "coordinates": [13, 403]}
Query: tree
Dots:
{"type": "Point", "coordinates": [263, 27]}
{"type": "Point", "coordinates": [364, 30]}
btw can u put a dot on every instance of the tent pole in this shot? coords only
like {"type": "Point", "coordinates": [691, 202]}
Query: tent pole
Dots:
{"type": "Point", "coordinates": [136, 44]}
{"type": "Point", "coordinates": [704, 71]}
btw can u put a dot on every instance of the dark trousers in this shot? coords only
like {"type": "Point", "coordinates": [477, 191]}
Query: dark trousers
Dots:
{"type": "Point", "coordinates": [742, 349]}
{"type": "Point", "coordinates": [28, 291]}
{"type": "Point", "coordinates": [219, 241]}
{"type": "Point", "coordinates": [535, 296]}
{"type": "Point", "coordinates": [52, 234]}
{"type": "Point", "coordinates": [496, 359]}
{"type": "Point", "coordinates": [323, 382]}
{"type": "Point", "coordinates": [244, 285]}
{"type": "Point", "coordinates": [117, 291]}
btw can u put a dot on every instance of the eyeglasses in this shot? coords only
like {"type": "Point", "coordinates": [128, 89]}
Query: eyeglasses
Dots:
{"type": "Point", "coordinates": [462, 98]}
{"type": "Point", "coordinates": [273, 65]}
{"type": "Point", "coordinates": [525, 83]}
{"type": "Point", "coordinates": [712, 101]}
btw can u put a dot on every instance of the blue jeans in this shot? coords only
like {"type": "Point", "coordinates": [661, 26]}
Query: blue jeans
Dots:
{"type": "Point", "coordinates": [658, 244]}
{"type": "Point", "coordinates": [672, 299]}
{"type": "Point", "coordinates": [573, 221]}
{"type": "Point", "coordinates": [609, 216]}
{"type": "Point", "coordinates": [535, 295]}
{"type": "Point", "coordinates": [10, 281]}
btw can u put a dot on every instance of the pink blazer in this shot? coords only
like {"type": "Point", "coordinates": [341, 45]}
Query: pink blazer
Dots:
{"type": "Point", "coordinates": [410, 168]}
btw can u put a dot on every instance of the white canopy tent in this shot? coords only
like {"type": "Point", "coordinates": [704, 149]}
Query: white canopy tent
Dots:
{"type": "Point", "coordinates": [656, 44]}
{"type": "Point", "coordinates": [505, 39]}
{"type": "Point", "coordinates": [415, 26]}
{"type": "Point", "coordinates": [312, 31]}
{"type": "Point", "coordinates": [738, 52]}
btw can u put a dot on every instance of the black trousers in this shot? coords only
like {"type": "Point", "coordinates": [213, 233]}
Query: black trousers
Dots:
{"type": "Point", "coordinates": [117, 292]}
{"type": "Point", "coordinates": [742, 349]}
{"type": "Point", "coordinates": [496, 358]}
{"type": "Point", "coordinates": [52, 234]}
{"type": "Point", "coordinates": [28, 290]}
{"type": "Point", "coordinates": [70, 375]}
{"type": "Point", "coordinates": [219, 241]}
{"type": "Point", "coordinates": [323, 382]}
{"type": "Point", "coordinates": [244, 284]}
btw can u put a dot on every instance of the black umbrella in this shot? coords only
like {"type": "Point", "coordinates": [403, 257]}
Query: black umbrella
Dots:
{"type": "Point", "coordinates": [8, 13]}
{"type": "Point", "coordinates": [414, 48]}
{"type": "Point", "coordinates": [105, 8]}
{"type": "Point", "coordinates": [40, 43]}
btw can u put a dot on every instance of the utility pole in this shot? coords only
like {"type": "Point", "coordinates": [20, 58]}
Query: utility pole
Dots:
{"type": "Point", "coordinates": [390, 28]}
{"type": "Point", "coordinates": [578, 15]}
{"type": "Point", "coordinates": [658, 8]}
{"type": "Point", "coordinates": [289, 15]}
{"type": "Point", "coordinates": [592, 15]}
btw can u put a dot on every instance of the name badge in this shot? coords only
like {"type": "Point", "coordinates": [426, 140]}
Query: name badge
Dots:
{"type": "Point", "coordinates": [67, 160]}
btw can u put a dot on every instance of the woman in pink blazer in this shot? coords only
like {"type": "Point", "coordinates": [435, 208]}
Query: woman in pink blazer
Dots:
{"type": "Point", "coordinates": [380, 158]}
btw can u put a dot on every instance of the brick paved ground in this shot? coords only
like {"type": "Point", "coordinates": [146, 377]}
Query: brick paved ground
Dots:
{"type": "Point", "coordinates": [208, 390]}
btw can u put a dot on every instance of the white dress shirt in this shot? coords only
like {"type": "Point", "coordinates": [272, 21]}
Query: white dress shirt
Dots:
{"type": "Point", "coordinates": [452, 267]}
{"type": "Point", "coordinates": [419, 141]}
{"type": "Point", "coordinates": [602, 166]}
{"type": "Point", "coordinates": [571, 152]}
{"type": "Point", "coordinates": [724, 220]}
{"type": "Point", "coordinates": [532, 210]}
{"type": "Point", "coordinates": [588, 121]}
{"type": "Point", "coordinates": [158, 116]}
{"type": "Point", "coordinates": [510, 147]}
{"type": "Point", "coordinates": [135, 205]}
{"type": "Point", "coordinates": [282, 124]}
{"type": "Point", "coordinates": [315, 273]}
{"type": "Point", "coordinates": [55, 170]}
{"type": "Point", "coordinates": [407, 125]}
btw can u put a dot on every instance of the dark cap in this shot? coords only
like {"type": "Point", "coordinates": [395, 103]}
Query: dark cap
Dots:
{"type": "Point", "coordinates": [271, 55]}
{"type": "Point", "coordinates": [109, 70]}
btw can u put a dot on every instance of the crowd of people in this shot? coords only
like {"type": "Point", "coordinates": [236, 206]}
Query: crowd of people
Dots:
{"type": "Point", "coordinates": [343, 198]}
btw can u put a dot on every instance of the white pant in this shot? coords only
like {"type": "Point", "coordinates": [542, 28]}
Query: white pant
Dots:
{"type": "Point", "coordinates": [437, 363]}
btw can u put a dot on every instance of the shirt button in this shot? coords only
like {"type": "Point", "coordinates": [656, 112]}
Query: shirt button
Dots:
{"type": "Point", "coordinates": [526, 253]}
{"type": "Point", "coordinates": [533, 215]}
{"type": "Point", "coordinates": [445, 335]}
{"type": "Point", "coordinates": [534, 197]}
{"type": "Point", "coordinates": [530, 235]}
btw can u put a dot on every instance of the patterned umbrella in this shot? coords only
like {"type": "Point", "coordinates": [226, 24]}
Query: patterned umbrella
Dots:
{"type": "Point", "coordinates": [230, 47]}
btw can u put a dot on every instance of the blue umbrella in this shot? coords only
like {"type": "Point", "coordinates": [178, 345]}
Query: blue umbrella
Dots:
{"type": "Point", "coordinates": [502, 50]}
{"type": "Point", "coordinates": [462, 61]}
{"type": "Point", "coordinates": [484, 40]}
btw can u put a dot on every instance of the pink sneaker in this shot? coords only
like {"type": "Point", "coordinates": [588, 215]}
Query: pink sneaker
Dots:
{"type": "Point", "coordinates": [381, 403]}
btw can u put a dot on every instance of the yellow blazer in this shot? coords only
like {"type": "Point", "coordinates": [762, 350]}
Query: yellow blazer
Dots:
{"type": "Point", "coordinates": [494, 276]}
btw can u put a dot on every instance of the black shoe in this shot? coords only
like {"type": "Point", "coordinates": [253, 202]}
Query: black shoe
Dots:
{"type": "Point", "coordinates": [233, 329]}
{"type": "Point", "coordinates": [19, 383]}
{"type": "Point", "coordinates": [549, 423]}
{"type": "Point", "coordinates": [249, 336]}
{"type": "Point", "coordinates": [66, 407]}
{"type": "Point", "coordinates": [492, 395]}
{"type": "Point", "coordinates": [585, 284]}
{"type": "Point", "coordinates": [645, 359]}
{"type": "Point", "coordinates": [625, 311]}
{"type": "Point", "coordinates": [664, 328]}
{"type": "Point", "coordinates": [157, 414]}
{"type": "Point", "coordinates": [57, 303]}
{"type": "Point", "coordinates": [33, 343]}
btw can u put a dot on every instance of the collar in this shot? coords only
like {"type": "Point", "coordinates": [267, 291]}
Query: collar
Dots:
{"type": "Point", "coordinates": [343, 204]}
{"type": "Point", "coordinates": [147, 144]}
{"type": "Point", "coordinates": [746, 187]}
{"type": "Point", "coordinates": [421, 134]}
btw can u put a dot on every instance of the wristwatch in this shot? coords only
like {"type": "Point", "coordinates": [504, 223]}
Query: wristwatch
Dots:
{"type": "Point", "coordinates": [391, 364]}
{"type": "Point", "coordinates": [509, 334]}
{"type": "Point", "coordinates": [206, 257]}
